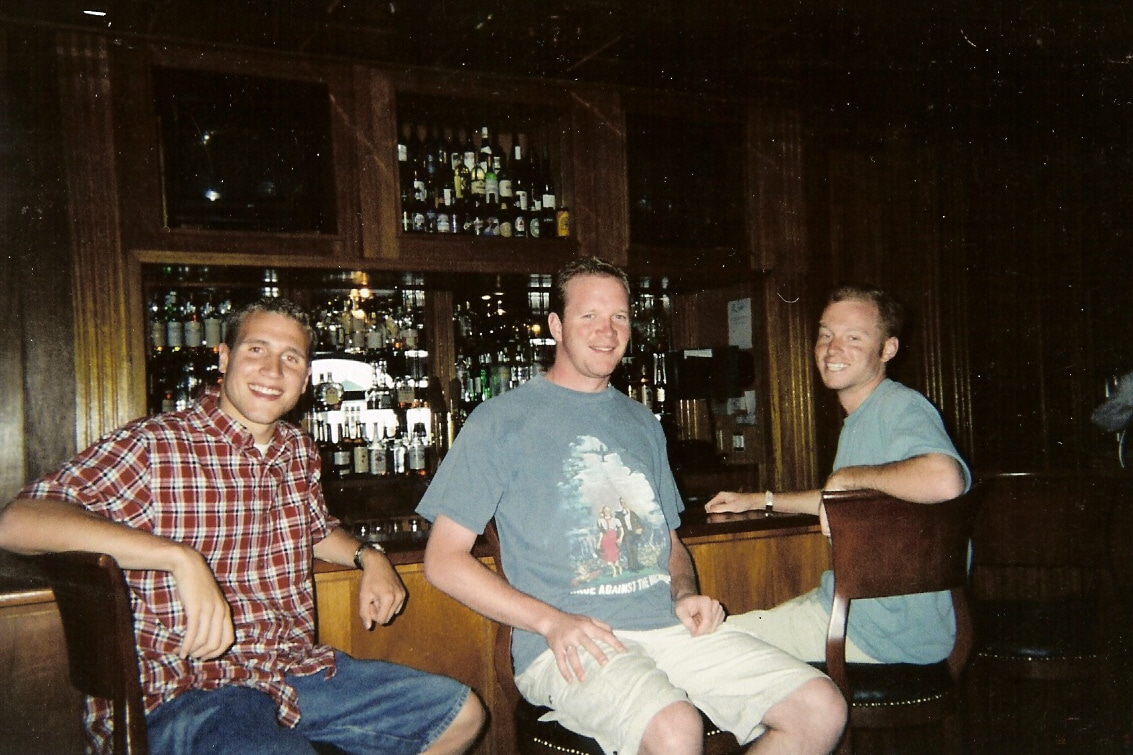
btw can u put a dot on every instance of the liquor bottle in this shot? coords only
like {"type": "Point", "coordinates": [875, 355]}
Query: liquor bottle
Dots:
{"type": "Point", "coordinates": [157, 323]}
{"type": "Point", "coordinates": [476, 183]}
{"type": "Point", "coordinates": [506, 219]}
{"type": "Point", "coordinates": [486, 148]}
{"type": "Point", "coordinates": [404, 176]}
{"type": "Point", "coordinates": [377, 454]}
{"type": "Point", "coordinates": [518, 222]}
{"type": "Point", "coordinates": [174, 328]}
{"type": "Point", "coordinates": [535, 219]}
{"type": "Point", "coordinates": [406, 212]}
{"type": "Point", "coordinates": [660, 384]}
{"type": "Point", "coordinates": [322, 443]}
{"type": "Point", "coordinates": [504, 178]}
{"type": "Point", "coordinates": [520, 187]}
{"type": "Point", "coordinates": [443, 188]}
{"type": "Point", "coordinates": [491, 201]}
{"type": "Point", "coordinates": [474, 215]}
{"type": "Point", "coordinates": [418, 199]}
{"type": "Point", "coordinates": [320, 406]}
{"type": "Point", "coordinates": [342, 459]}
{"type": "Point", "coordinates": [330, 393]}
{"type": "Point", "coordinates": [445, 210]}
{"type": "Point", "coordinates": [492, 181]}
{"type": "Point", "coordinates": [562, 223]}
{"type": "Point", "coordinates": [396, 453]}
{"type": "Point", "coordinates": [213, 321]}
{"type": "Point", "coordinates": [361, 452]}
{"type": "Point", "coordinates": [193, 328]}
{"type": "Point", "coordinates": [548, 199]}
{"type": "Point", "coordinates": [461, 187]}
{"type": "Point", "coordinates": [643, 390]}
{"type": "Point", "coordinates": [415, 453]}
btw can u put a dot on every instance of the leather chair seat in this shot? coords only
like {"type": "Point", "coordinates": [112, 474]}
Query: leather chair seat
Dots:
{"type": "Point", "coordinates": [894, 684]}
{"type": "Point", "coordinates": [557, 738]}
{"type": "Point", "coordinates": [1037, 630]}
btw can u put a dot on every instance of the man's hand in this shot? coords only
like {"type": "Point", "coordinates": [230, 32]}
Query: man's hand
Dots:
{"type": "Point", "coordinates": [208, 618]}
{"type": "Point", "coordinates": [730, 502]}
{"type": "Point", "coordinates": [382, 594]}
{"type": "Point", "coordinates": [700, 613]}
{"type": "Point", "coordinates": [571, 635]}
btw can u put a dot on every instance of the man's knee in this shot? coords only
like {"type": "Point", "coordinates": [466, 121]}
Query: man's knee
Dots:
{"type": "Point", "coordinates": [464, 730]}
{"type": "Point", "coordinates": [815, 712]}
{"type": "Point", "coordinates": [471, 717]}
{"type": "Point", "coordinates": [676, 728]}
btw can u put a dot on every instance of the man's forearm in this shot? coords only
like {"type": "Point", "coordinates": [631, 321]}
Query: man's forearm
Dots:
{"type": "Point", "coordinates": [47, 526]}
{"type": "Point", "coordinates": [338, 548]}
{"type": "Point", "coordinates": [462, 577]}
{"type": "Point", "coordinates": [930, 478]}
{"type": "Point", "coordinates": [681, 571]}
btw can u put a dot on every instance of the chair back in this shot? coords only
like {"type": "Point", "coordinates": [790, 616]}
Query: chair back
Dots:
{"type": "Point", "coordinates": [883, 546]}
{"type": "Point", "coordinates": [98, 623]}
{"type": "Point", "coordinates": [1043, 535]}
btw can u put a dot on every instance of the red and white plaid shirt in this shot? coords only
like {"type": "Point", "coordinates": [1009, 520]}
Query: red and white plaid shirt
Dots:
{"type": "Point", "coordinates": [196, 477]}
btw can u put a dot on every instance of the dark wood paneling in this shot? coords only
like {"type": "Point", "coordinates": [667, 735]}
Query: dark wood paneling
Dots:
{"type": "Point", "coordinates": [37, 403]}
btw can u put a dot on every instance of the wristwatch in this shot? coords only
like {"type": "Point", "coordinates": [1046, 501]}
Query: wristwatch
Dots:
{"type": "Point", "coordinates": [361, 548]}
{"type": "Point", "coordinates": [768, 502]}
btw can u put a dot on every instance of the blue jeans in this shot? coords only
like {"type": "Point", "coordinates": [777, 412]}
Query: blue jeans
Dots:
{"type": "Point", "coordinates": [366, 707]}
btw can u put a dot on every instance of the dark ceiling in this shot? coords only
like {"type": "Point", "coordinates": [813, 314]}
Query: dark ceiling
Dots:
{"type": "Point", "coordinates": [713, 45]}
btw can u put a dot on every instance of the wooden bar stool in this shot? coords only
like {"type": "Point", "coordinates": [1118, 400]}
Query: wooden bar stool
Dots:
{"type": "Point", "coordinates": [883, 546]}
{"type": "Point", "coordinates": [1046, 609]}
{"type": "Point", "coordinates": [98, 623]}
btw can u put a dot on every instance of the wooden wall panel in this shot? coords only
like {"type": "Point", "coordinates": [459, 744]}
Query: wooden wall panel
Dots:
{"type": "Point", "coordinates": [37, 348]}
{"type": "Point", "coordinates": [779, 236]}
{"type": "Point", "coordinates": [600, 213]}
{"type": "Point", "coordinates": [892, 226]}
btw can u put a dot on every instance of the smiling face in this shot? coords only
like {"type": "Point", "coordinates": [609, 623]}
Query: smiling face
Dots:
{"type": "Point", "coordinates": [592, 334]}
{"type": "Point", "coordinates": [265, 372]}
{"type": "Point", "coordinates": [851, 350]}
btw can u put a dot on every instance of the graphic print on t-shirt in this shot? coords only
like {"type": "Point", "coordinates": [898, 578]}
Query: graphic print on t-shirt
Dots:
{"type": "Point", "coordinates": [618, 531]}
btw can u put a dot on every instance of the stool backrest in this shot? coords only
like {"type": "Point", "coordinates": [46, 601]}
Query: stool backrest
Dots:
{"type": "Point", "coordinates": [883, 546]}
{"type": "Point", "coordinates": [98, 623]}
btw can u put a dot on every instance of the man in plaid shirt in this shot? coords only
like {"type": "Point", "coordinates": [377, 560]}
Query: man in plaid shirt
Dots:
{"type": "Point", "coordinates": [215, 514]}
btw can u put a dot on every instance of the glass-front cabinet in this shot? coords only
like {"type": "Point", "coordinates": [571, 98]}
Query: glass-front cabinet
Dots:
{"type": "Point", "coordinates": [402, 358]}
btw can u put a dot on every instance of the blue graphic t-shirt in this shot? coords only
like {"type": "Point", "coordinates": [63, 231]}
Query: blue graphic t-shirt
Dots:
{"type": "Point", "coordinates": [583, 497]}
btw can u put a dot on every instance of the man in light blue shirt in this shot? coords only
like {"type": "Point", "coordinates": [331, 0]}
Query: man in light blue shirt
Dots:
{"type": "Point", "coordinates": [893, 440]}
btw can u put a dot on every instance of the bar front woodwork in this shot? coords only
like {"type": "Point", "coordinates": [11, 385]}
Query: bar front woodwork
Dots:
{"type": "Point", "coordinates": [39, 710]}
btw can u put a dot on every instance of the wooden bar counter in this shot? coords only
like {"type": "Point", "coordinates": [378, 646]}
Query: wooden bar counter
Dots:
{"type": "Point", "coordinates": [748, 561]}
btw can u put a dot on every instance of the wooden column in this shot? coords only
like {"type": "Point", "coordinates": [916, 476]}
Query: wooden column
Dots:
{"type": "Point", "coordinates": [109, 375]}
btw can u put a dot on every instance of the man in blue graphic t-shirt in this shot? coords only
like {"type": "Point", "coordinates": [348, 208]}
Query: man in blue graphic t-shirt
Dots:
{"type": "Point", "coordinates": [610, 630]}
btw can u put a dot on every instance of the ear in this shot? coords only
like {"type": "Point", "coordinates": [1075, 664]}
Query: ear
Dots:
{"type": "Point", "coordinates": [222, 351]}
{"type": "Point", "coordinates": [555, 325]}
{"type": "Point", "coordinates": [889, 348]}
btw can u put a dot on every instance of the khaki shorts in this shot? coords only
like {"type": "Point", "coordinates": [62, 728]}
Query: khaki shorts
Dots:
{"type": "Point", "coordinates": [798, 627]}
{"type": "Point", "coordinates": [731, 676]}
